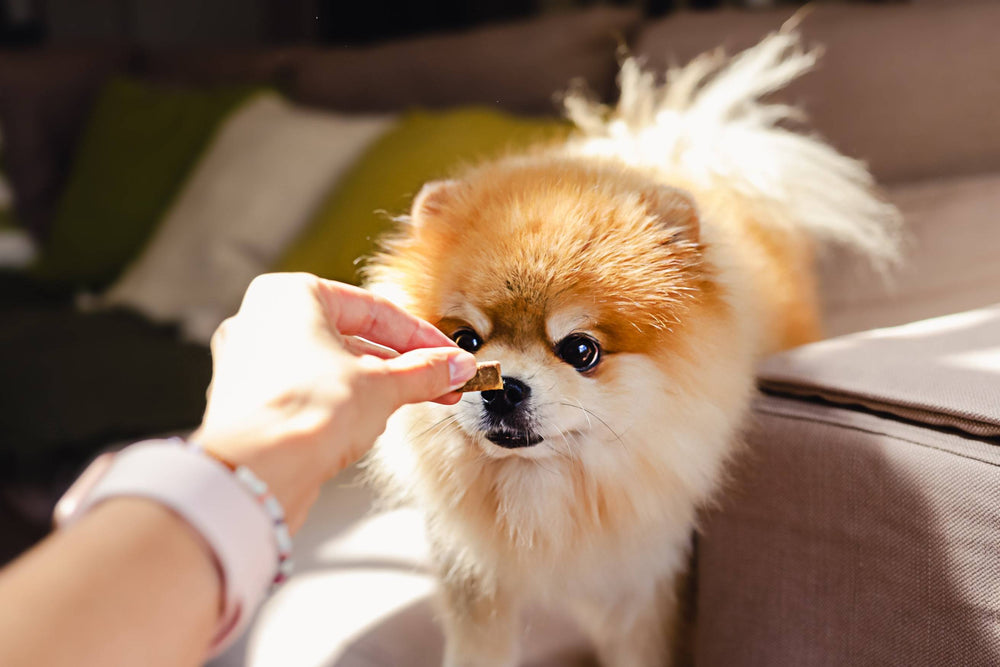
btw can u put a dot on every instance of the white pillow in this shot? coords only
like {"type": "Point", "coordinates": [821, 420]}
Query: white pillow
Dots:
{"type": "Point", "coordinates": [17, 249]}
{"type": "Point", "coordinates": [248, 198]}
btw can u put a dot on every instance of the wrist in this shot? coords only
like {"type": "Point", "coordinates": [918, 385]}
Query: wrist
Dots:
{"type": "Point", "coordinates": [232, 512]}
{"type": "Point", "coordinates": [167, 536]}
{"type": "Point", "coordinates": [282, 461]}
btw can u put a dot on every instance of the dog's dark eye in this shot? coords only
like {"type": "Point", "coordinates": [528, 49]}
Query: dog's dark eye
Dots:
{"type": "Point", "coordinates": [579, 351]}
{"type": "Point", "coordinates": [467, 339]}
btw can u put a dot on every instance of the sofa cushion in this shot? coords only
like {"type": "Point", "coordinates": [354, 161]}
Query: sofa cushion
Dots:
{"type": "Point", "coordinates": [424, 145]}
{"type": "Point", "coordinates": [912, 89]}
{"type": "Point", "coordinates": [73, 382]}
{"type": "Point", "coordinates": [45, 97]}
{"type": "Point", "coordinates": [251, 194]}
{"type": "Point", "coordinates": [138, 147]}
{"type": "Point", "coordinates": [942, 372]}
{"type": "Point", "coordinates": [362, 595]}
{"type": "Point", "coordinates": [949, 265]}
{"type": "Point", "coordinates": [517, 66]}
{"type": "Point", "coordinates": [860, 528]}
{"type": "Point", "coordinates": [849, 538]}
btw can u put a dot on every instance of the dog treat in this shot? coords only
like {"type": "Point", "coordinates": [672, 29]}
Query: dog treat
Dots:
{"type": "Point", "coordinates": [487, 377]}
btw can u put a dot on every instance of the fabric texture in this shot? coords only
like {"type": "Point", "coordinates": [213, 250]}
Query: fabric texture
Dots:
{"type": "Point", "coordinates": [940, 372]}
{"type": "Point", "coordinates": [257, 185]}
{"type": "Point", "coordinates": [949, 259]}
{"type": "Point", "coordinates": [846, 538]}
{"type": "Point", "coordinates": [879, 93]}
{"type": "Point", "coordinates": [519, 66]}
{"type": "Point", "coordinates": [860, 528]}
{"type": "Point", "coordinates": [423, 146]}
{"type": "Point", "coordinates": [136, 150]}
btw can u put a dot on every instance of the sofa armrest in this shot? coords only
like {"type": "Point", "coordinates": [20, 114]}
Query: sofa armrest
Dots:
{"type": "Point", "coordinates": [941, 372]}
{"type": "Point", "coordinates": [861, 527]}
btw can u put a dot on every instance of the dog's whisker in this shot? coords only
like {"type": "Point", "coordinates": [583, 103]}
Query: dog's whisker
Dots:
{"type": "Point", "coordinates": [585, 413]}
{"type": "Point", "coordinates": [437, 427]}
{"type": "Point", "coordinates": [591, 413]}
{"type": "Point", "coordinates": [569, 450]}
{"type": "Point", "coordinates": [566, 452]}
{"type": "Point", "coordinates": [544, 467]}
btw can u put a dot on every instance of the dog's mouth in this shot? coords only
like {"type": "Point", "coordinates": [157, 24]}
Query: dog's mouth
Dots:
{"type": "Point", "coordinates": [513, 440]}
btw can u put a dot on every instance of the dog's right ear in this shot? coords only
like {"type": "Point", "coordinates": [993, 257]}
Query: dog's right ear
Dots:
{"type": "Point", "coordinates": [432, 199]}
{"type": "Point", "coordinates": [675, 208]}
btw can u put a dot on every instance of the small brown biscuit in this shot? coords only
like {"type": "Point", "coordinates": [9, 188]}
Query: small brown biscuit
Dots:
{"type": "Point", "coordinates": [487, 377]}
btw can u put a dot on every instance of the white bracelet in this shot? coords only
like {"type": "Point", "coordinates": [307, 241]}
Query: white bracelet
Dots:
{"type": "Point", "coordinates": [239, 520]}
{"type": "Point", "coordinates": [259, 490]}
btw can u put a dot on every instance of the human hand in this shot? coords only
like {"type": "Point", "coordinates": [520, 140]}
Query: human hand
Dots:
{"type": "Point", "coordinates": [297, 397]}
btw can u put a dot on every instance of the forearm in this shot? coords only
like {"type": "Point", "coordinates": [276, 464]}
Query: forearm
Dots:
{"type": "Point", "coordinates": [139, 588]}
{"type": "Point", "coordinates": [130, 583]}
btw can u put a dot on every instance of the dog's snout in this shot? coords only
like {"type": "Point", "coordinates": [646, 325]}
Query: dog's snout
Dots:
{"type": "Point", "coordinates": [504, 401]}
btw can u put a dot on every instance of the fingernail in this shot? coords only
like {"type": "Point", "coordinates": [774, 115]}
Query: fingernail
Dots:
{"type": "Point", "coordinates": [461, 368]}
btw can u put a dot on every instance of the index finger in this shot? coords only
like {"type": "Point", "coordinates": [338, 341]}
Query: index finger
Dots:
{"type": "Point", "coordinates": [354, 311]}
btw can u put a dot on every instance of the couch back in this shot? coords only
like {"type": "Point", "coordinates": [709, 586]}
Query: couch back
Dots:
{"type": "Point", "coordinates": [912, 89]}
{"type": "Point", "coordinates": [45, 95]}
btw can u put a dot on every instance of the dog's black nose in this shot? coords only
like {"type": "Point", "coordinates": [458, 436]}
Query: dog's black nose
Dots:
{"type": "Point", "coordinates": [503, 401]}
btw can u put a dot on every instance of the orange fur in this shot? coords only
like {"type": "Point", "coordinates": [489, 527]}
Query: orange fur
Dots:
{"type": "Point", "coordinates": [684, 279]}
{"type": "Point", "coordinates": [522, 240]}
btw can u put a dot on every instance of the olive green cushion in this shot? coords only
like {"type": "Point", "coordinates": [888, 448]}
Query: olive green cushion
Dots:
{"type": "Point", "coordinates": [423, 146]}
{"type": "Point", "coordinates": [138, 146]}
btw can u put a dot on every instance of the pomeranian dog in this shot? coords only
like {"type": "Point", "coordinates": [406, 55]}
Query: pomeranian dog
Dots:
{"type": "Point", "coordinates": [627, 280]}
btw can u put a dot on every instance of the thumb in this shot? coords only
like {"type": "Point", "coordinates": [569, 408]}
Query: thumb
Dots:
{"type": "Point", "coordinates": [428, 373]}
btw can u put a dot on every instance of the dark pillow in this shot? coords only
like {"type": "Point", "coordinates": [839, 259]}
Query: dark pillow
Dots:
{"type": "Point", "coordinates": [517, 66]}
{"type": "Point", "coordinates": [75, 382]}
{"type": "Point", "coordinates": [45, 97]}
{"type": "Point", "coordinates": [139, 144]}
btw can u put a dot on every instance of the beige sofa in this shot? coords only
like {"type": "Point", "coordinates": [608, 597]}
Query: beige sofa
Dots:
{"type": "Point", "coordinates": [861, 525]}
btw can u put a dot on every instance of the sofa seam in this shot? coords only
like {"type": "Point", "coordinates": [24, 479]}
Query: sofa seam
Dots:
{"type": "Point", "coordinates": [831, 422]}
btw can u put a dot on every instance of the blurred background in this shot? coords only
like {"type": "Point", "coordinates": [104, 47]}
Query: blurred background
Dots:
{"type": "Point", "coordinates": [156, 155]}
{"type": "Point", "coordinates": [264, 22]}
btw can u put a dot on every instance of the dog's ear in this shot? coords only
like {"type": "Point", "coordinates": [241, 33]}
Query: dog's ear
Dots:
{"type": "Point", "coordinates": [676, 210]}
{"type": "Point", "coordinates": [432, 200]}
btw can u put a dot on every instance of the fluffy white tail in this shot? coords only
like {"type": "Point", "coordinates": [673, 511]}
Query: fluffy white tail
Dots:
{"type": "Point", "coordinates": [708, 126]}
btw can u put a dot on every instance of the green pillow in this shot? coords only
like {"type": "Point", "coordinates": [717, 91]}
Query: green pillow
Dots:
{"type": "Point", "coordinates": [138, 146]}
{"type": "Point", "coordinates": [422, 146]}
{"type": "Point", "coordinates": [7, 219]}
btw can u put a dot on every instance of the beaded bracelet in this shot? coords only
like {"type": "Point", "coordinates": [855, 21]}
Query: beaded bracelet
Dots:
{"type": "Point", "coordinates": [262, 494]}
{"type": "Point", "coordinates": [228, 506]}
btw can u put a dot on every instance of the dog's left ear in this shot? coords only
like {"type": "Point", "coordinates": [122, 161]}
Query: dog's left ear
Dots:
{"type": "Point", "coordinates": [432, 200]}
{"type": "Point", "coordinates": [676, 211]}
